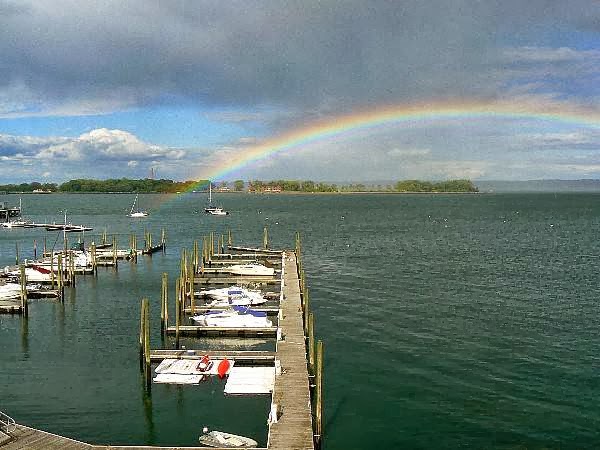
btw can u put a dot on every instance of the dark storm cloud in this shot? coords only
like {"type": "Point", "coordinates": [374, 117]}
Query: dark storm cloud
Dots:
{"type": "Point", "coordinates": [94, 56]}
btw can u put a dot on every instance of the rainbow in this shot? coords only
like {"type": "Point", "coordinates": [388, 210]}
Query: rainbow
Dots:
{"type": "Point", "coordinates": [337, 126]}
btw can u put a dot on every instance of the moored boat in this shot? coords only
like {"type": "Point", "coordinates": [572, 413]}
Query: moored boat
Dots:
{"type": "Point", "coordinates": [251, 269]}
{"type": "Point", "coordinates": [221, 439]}
{"type": "Point", "coordinates": [237, 317]}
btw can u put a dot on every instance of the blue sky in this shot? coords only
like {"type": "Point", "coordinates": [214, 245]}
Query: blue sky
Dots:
{"type": "Point", "coordinates": [180, 85]}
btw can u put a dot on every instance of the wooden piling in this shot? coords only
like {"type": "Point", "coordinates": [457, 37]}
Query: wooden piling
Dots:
{"type": "Point", "coordinates": [229, 238]}
{"type": "Point", "coordinates": [142, 331]}
{"type": "Point", "coordinates": [93, 257]}
{"type": "Point", "coordinates": [163, 303]}
{"type": "Point", "coordinates": [311, 345]}
{"type": "Point", "coordinates": [147, 367]}
{"type": "Point", "coordinates": [16, 253]}
{"type": "Point", "coordinates": [44, 245]}
{"type": "Point", "coordinates": [60, 282]}
{"type": "Point", "coordinates": [265, 238]}
{"type": "Point", "coordinates": [24, 305]}
{"type": "Point", "coordinates": [177, 311]}
{"type": "Point", "coordinates": [114, 251]}
{"type": "Point", "coordinates": [319, 395]}
{"type": "Point", "coordinates": [34, 249]}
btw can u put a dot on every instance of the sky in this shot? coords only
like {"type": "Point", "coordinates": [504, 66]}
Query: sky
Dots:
{"type": "Point", "coordinates": [203, 89]}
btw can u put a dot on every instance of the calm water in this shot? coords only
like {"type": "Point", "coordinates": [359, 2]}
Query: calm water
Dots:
{"type": "Point", "coordinates": [448, 321]}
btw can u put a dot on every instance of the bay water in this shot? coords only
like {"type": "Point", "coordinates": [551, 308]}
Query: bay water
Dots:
{"type": "Point", "coordinates": [449, 321]}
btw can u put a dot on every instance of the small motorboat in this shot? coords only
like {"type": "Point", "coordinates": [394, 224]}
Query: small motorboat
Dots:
{"type": "Point", "coordinates": [233, 295]}
{"type": "Point", "coordinates": [220, 439]}
{"type": "Point", "coordinates": [234, 318]}
{"type": "Point", "coordinates": [251, 269]}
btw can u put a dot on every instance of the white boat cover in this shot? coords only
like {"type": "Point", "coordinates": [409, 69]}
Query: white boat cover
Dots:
{"type": "Point", "coordinates": [250, 381]}
{"type": "Point", "coordinates": [188, 367]}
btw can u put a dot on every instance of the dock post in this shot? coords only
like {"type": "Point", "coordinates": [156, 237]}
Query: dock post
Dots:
{"type": "Point", "coordinates": [147, 367]}
{"type": "Point", "coordinates": [34, 249]}
{"type": "Point", "coordinates": [142, 331]}
{"type": "Point", "coordinates": [311, 345]}
{"type": "Point", "coordinates": [51, 270]}
{"type": "Point", "coordinates": [319, 396]}
{"type": "Point", "coordinates": [195, 258]}
{"type": "Point", "coordinates": [163, 303]}
{"type": "Point", "coordinates": [163, 240]}
{"type": "Point", "coordinates": [93, 254]}
{"type": "Point", "coordinates": [16, 253]}
{"type": "Point", "coordinates": [229, 239]}
{"type": "Point", "coordinates": [212, 246]}
{"type": "Point", "coordinates": [114, 246]}
{"type": "Point", "coordinates": [177, 311]}
{"type": "Point", "coordinates": [71, 270]}
{"type": "Point", "coordinates": [305, 311]}
{"type": "Point", "coordinates": [24, 307]}
{"type": "Point", "coordinates": [104, 237]}
{"type": "Point", "coordinates": [44, 254]}
{"type": "Point", "coordinates": [61, 286]}
{"type": "Point", "coordinates": [265, 238]}
{"type": "Point", "coordinates": [192, 295]}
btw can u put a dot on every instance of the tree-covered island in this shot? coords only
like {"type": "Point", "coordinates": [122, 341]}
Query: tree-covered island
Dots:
{"type": "Point", "coordinates": [125, 185]}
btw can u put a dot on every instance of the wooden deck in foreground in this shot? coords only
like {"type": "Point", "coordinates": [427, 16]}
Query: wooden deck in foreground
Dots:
{"type": "Point", "coordinates": [25, 438]}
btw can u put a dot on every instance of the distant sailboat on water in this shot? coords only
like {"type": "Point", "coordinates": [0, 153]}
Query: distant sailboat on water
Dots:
{"type": "Point", "coordinates": [136, 212]}
{"type": "Point", "coordinates": [213, 210]}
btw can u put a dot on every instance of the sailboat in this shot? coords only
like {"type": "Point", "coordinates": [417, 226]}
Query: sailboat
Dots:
{"type": "Point", "coordinates": [213, 210]}
{"type": "Point", "coordinates": [138, 212]}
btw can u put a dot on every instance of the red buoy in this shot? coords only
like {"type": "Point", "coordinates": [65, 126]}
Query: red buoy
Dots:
{"type": "Point", "coordinates": [223, 368]}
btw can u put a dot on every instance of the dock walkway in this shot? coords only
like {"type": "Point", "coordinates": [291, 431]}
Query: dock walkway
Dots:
{"type": "Point", "coordinates": [291, 393]}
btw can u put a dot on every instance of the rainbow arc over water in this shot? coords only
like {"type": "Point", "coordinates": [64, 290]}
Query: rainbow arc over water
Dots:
{"type": "Point", "coordinates": [398, 114]}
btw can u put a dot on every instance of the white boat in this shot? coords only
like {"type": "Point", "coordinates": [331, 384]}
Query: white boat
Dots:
{"type": "Point", "coordinates": [236, 317]}
{"type": "Point", "coordinates": [17, 224]}
{"type": "Point", "coordinates": [233, 295]}
{"type": "Point", "coordinates": [138, 212]}
{"type": "Point", "coordinates": [213, 210]}
{"type": "Point", "coordinates": [10, 291]}
{"type": "Point", "coordinates": [251, 269]}
{"type": "Point", "coordinates": [33, 274]}
{"type": "Point", "coordinates": [220, 439]}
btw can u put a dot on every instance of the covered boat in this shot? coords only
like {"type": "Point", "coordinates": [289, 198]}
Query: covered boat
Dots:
{"type": "Point", "coordinates": [233, 295]}
{"type": "Point", "coordinates": [220, 439]}
{"type": "Point", "coordinates": [251, 269]}
{"type": "Point", "coordinates": [236, 317]}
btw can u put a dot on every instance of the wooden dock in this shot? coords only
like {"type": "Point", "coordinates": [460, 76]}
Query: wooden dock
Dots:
{"type": "Point", "coordinates": [26, 438]}
{"type": "Point", "coordinates": [291, 393]}
{"type": "Point", "coordinates": [295, 420]}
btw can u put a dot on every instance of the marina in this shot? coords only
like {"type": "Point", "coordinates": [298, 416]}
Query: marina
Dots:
{"type": "Point", "coordinates": [246, 372]}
